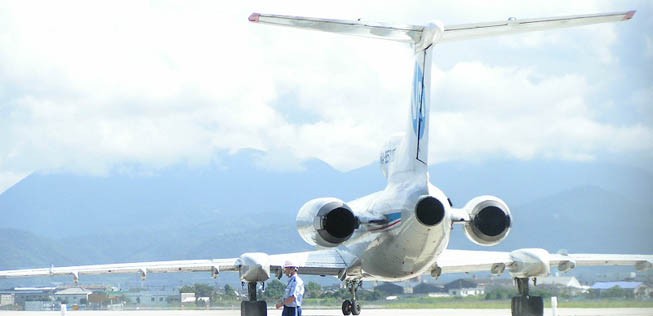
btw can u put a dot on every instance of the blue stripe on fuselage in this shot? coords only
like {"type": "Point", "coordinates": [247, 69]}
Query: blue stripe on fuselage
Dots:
{"type": "Point", "coordinates": [393, 216]}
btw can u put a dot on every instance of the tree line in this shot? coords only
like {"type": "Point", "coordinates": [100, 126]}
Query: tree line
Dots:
{"type": "Point", "coordinates": [273, 291]}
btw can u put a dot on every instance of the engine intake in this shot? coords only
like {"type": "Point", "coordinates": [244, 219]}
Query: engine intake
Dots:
{"type": "Point", "coordinates": [429, 211]}
{"type": "Point", "coordinates": [490, 220]}
{"type": "Point", "coordinates": [326, 222]}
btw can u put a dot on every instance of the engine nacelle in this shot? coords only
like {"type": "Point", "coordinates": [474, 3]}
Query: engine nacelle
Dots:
{"type": "Point", "coordinates": [326, 222]}
{"type": "Point", "coordinates": [490, 220]}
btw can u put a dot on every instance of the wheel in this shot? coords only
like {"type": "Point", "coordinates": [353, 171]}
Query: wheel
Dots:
{"type": "Point", "coordinates": [355, 308]}
{"type": "Point", "coordinates": [253, 308]}
{"type": "Point", "coordinates": [527, 306]}
{"type": "Point", "coordinates": [536, 305]}
{"type": "Point", "coordinates": [518, 306]}
{"type": "Point", "coordinates": [346, 307]}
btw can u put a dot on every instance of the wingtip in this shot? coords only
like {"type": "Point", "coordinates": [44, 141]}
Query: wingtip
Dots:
{"type": "Point", "coordinates": [629, 14]}
{"type": "Point", "coordinates": [254, 17]}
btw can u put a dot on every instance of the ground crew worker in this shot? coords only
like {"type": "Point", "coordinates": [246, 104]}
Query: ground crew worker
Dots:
{"type": "Point", "coordinates": [294, 294]}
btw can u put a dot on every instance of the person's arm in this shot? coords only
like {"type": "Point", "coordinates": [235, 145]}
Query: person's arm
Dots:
{"type": "Point", "coordinates": [285, 302]}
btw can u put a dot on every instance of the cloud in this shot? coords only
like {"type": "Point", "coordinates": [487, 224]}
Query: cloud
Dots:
{"type": "Point", "coordinates": [548, 117]}
{"type": "Point", "coordinates": [648, 44]}
{"type": "Point", "coordinates": [642, 107]}
{"type": "Point", "coordinates": [86, 87]}
{"type": "Point", "coordinates": [8, 178]}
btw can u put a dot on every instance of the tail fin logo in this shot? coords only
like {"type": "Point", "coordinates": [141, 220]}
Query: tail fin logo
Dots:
{"type": "Point", "coordinates": [417, 110]}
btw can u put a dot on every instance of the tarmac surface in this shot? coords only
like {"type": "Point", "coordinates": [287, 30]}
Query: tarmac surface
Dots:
{"type": "Point", "coordinates": [367, 312]}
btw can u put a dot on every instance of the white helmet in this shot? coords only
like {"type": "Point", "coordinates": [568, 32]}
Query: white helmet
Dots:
{"type": "Point", "coordinates": [289, 264]}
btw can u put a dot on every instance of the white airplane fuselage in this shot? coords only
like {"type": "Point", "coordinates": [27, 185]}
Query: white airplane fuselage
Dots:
{"type": "Point", "coordinates": [403, 248]}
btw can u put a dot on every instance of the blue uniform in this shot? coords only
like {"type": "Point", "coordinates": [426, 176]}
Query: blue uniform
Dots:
{"type": "Point", "coordinates": [294, 288]}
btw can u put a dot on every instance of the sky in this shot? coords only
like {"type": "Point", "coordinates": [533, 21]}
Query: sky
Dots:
{"type": "Point", "coordinates": [90, 87]}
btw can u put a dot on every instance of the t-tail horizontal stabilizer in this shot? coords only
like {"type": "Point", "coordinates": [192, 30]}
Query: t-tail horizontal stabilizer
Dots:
{"type": "Point", "coordinates": [413, 33]}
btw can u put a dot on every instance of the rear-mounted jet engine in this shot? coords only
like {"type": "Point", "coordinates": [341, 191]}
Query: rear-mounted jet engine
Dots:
{"type": "Point", "coordinates": [490, 220]}
{"type": "Point", "coordinates": [326, 222]}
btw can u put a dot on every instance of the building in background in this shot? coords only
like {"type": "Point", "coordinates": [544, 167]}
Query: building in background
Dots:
{"type": "Point", "coordinates": [562, 285]}
{"type": "Point", "coordinates": [463, 288]}
{"type": "Point", "coordinates": [73, 296]}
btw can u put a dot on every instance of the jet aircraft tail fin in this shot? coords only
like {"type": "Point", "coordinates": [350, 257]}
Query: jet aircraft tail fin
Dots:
{"type": "Point", "coordinates": [411, 155]}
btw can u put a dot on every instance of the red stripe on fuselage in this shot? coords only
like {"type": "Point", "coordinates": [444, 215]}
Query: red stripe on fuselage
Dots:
{"type": "Point", "coordinates": [386, 226]}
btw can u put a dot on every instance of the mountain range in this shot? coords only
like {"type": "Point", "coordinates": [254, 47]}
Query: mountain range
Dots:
{"type": "Point", "coordinates": [237, 206]}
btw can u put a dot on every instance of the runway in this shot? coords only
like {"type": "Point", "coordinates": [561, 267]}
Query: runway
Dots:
{"type": "Point", "coordinates": [367, 312]}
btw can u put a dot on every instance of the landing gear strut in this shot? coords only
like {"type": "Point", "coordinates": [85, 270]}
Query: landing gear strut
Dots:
{"type": "Point", "coordinates": [252, 307]}
{"type": "Point", "coordinates": [524, 304]}
{"type": "Point", "coordinates": [352, 306]}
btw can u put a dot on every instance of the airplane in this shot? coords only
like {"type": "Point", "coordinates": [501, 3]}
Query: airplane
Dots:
{"type": "Point", "coordinates": [402, 231]}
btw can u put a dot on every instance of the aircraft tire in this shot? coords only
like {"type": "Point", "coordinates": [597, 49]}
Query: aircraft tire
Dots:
{"type": "Point", "coordinates": [346, 307]}
{"type": "Point", "coordinates": [527, 306]}
{"type": "Point", "coordinates": [355, 308]}
{"type": "Point", "coordinates": [517, 306]}
{"type": "Point", "coordinates": [536, 305]}
{"type": "Point", "coordinates": [253, 308]}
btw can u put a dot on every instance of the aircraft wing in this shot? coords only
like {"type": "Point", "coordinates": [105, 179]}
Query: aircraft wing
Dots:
{"type": "Point", "coordinates": [251, 266]}
{"type": "Point", "coordinates": [413, 33]}
{"type": "Point", "coordinates": [254, 267]}
{"type": "Point", "coordinates": [531, 262]}
{"type": "Point", "coordinates": [143, 268]}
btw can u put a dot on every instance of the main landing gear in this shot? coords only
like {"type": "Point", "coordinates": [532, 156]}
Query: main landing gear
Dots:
{"type": "Point", "coordinates": [524, 304]}
{"type": "Point", "coordinates": [252, 307]}
{"type": "Point", "coordinates": [352, 306]}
